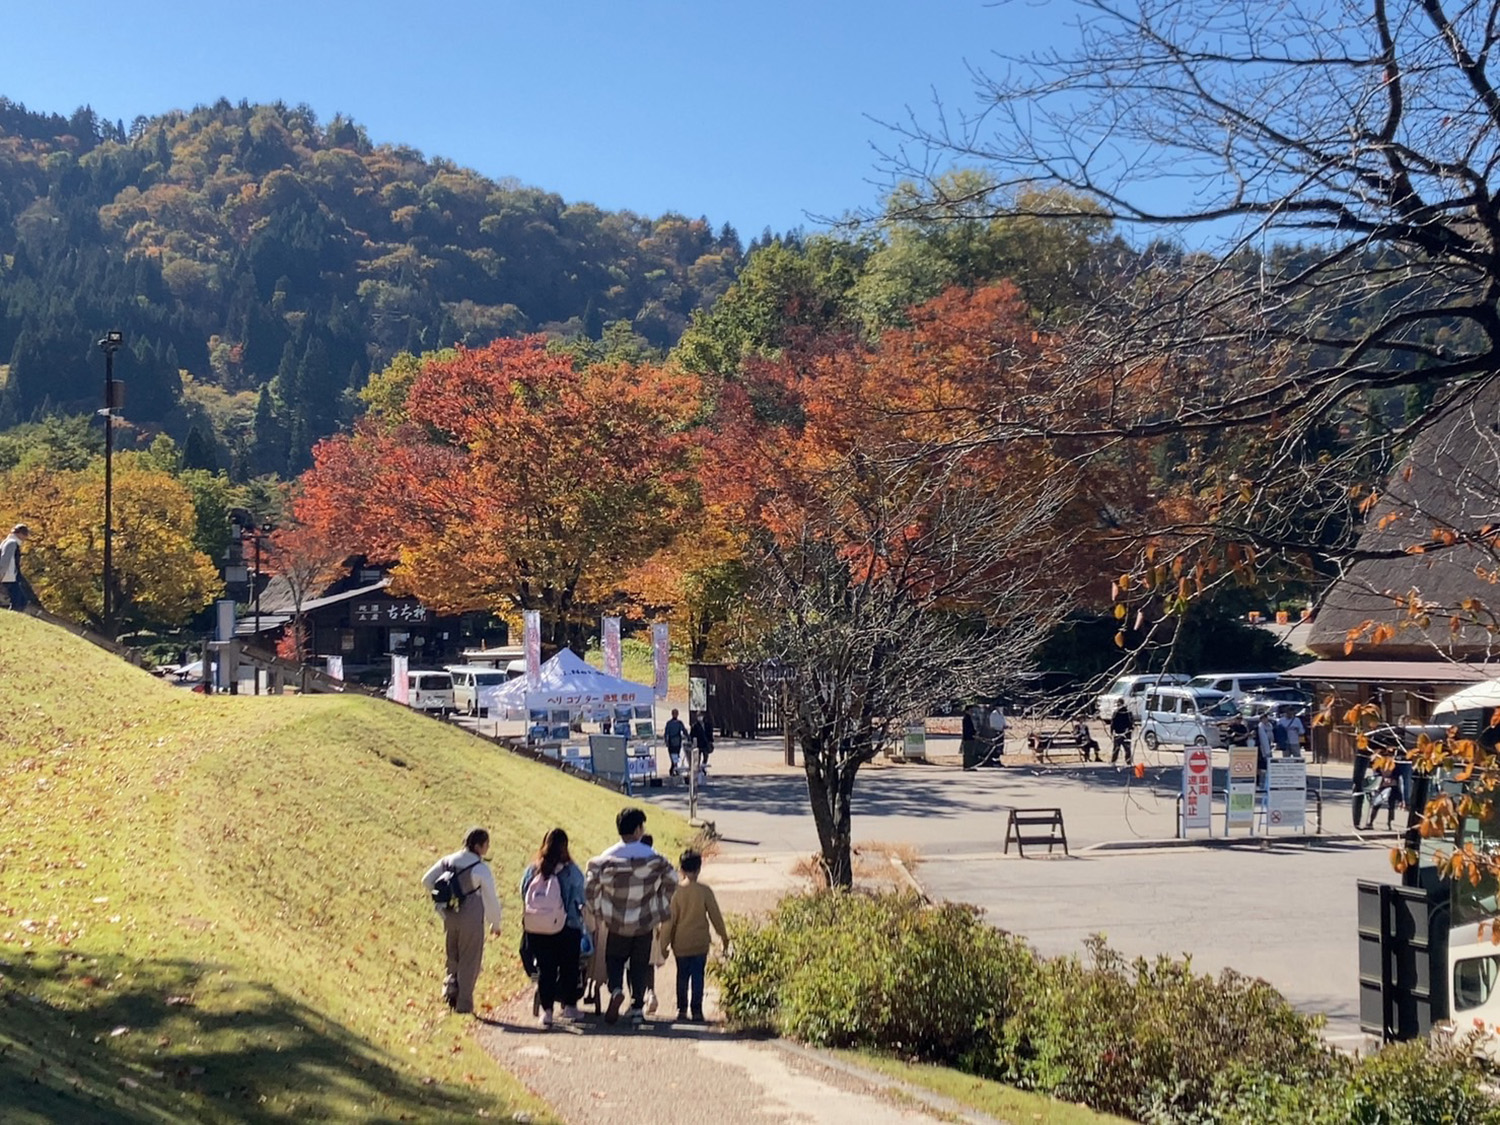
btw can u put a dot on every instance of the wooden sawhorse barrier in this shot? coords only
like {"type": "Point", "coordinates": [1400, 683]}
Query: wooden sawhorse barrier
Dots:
{"type": "Point", "coordinates": [1023, 829]}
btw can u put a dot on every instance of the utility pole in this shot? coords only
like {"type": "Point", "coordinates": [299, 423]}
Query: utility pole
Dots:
{"type": "Point", "coordinates": [109, 345]}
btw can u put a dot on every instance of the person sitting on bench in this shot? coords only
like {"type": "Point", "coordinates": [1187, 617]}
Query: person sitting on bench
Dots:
{"type": "Point", "coordinates": [1086, 741]}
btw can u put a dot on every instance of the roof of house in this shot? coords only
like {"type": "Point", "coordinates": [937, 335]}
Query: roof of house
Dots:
{"type": "Point", "coordinates": [283, 614]}
{"type": "Point", "coordinates": [1450, 481]}
{"type": "Point", "coordinates": [1380, 671]}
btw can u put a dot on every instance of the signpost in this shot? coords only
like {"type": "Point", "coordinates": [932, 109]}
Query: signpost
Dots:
{"type": "Point", "coordinates": [1239, 809]}
{"type": "Point", "coordinates": [1286, 794]}
{"type": "Point", "coordinates": [1197, 789]}
{"type": "Point", "coordinates": [914, 743]}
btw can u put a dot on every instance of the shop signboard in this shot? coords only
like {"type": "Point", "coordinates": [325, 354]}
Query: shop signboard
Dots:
{"type": "Point", "coordinates": [406, 611]}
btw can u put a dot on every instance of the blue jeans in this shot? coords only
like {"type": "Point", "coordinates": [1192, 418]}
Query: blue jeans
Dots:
{"type": "Point", "coordinates": [17, 594]}
{"type": "Point", "coordinates": [690, 977]}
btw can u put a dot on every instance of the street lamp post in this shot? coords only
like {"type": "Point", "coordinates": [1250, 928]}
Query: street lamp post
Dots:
{"type": "Point", "coordinates": [109, 345]}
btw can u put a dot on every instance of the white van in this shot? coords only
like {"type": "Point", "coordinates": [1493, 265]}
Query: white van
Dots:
{"type": "Point", "coordinates": [1129, 689]}
{"type": "Point", "coordinates": [467, 680]}
{"type": "Point", "coordinates": [429, 691]}
{"type": "Point", "coordinates": [1184, 716]}
{"type": "Point", "coordinates": [1236, 685]}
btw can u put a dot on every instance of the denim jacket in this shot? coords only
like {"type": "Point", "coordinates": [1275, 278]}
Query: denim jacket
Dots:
{"type": "Point", "coordinates": [570, 882]}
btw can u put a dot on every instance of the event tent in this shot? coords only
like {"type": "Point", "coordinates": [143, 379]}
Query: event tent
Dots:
{"type": "Point", "coordinates": [567, 681]}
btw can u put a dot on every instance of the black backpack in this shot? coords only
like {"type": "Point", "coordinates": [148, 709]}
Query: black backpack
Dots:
{"type": "Point", "coordinates": [446, 893]}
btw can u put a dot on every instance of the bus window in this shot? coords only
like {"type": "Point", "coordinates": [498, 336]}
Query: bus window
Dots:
{"type": "Point", "coordinates": [1474, 981]}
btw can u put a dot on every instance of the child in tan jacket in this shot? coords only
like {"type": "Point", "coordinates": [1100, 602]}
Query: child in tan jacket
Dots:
{"type": "Point", "coordinates": [686, 933]}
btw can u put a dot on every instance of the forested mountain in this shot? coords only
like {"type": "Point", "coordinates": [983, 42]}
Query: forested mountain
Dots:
{"type": "Point", "coordinates": [277, 260]}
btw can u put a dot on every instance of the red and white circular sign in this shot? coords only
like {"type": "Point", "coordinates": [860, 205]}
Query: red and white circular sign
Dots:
{"type": "Point", "coordinates": [1197, 759]}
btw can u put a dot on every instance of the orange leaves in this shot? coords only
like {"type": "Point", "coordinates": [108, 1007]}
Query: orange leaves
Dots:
{"type": "Point", "coordinates": [519, 482]}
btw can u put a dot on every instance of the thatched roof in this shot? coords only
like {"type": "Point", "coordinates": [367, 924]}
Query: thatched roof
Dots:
{"type": "Point", "coordinates": [1450, 482]}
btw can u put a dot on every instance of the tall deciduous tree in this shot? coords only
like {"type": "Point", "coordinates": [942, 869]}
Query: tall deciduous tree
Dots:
{"type": "Point", "coordinates": [518, 482]}
{"type": "Point", "coordinates": [896, 563]}
{"type": "Point", "coordinates": [160, 576]}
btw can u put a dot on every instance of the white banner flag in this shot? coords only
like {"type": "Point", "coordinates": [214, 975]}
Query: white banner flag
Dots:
{"type": "Point", "coordinates": [399, 686]}
{"type": "Point", "coordinates": [532, 638]}
{"type": "Point", "coordinates": [611, 645]}
{"type": "Point", "coordinates": [336, 667]}
{"type": "Point", "coordinates": [660, 653]}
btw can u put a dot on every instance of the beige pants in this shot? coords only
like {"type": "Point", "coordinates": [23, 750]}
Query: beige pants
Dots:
{"type": "Point", "coordinates": [464, 933]}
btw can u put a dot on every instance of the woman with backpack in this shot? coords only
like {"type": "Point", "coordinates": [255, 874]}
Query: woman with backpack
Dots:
{"type": "Point", "coordinates": [552, 916]}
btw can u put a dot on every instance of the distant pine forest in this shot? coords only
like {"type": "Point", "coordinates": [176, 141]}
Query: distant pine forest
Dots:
{"type": "Point", "coordinates": [262, 263]}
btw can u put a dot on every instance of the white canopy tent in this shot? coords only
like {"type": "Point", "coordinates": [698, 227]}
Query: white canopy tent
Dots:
{"type": "Point", "coordinates": [1484, 696]}
{"type": "Point", "coordinates": [567, 681]}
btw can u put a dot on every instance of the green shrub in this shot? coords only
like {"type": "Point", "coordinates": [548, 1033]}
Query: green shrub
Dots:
{"type": "Point", "coordinates": [847, 970]}
{"type": "Point", "coordinates": [1149, 1039]}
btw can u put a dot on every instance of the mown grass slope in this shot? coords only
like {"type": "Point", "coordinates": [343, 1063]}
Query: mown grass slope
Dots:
{"type": "Point", "coordinates": [210, 908]}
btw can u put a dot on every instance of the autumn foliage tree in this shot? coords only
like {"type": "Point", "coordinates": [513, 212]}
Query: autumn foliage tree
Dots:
{"type": "Point", "coordinates": [895, 563]}
{"type": "Point", "coordinates": [160, 576]}
{"type": "Point", "coordinates": [515, 481]}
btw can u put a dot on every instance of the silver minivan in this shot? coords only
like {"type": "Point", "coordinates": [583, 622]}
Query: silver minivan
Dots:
{"type": "Point", "coordinates": [429, 691]}
{"type": "Point", "coordinates": [467, 681]}
{"type": "Point", "coordinates": [1184, 716]}
{"type": "Point", "coordinates": [1236, 685]}
{"type": "Point", "coordinates": [1130, 689]}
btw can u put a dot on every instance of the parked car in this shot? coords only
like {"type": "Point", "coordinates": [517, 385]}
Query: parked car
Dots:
{"type": "Point", "coordinates": [1236, 685]}
{"type": "Point", "coordinates": [1130, 689]}
{"type": "Point", "coordinates": [1275, 700]}
{"type": "Point", "coordinates": [1184, 716]}
{"type": "Point", "coordinates": [429, 691]}
{"type": "Point", "coordinates": [467, 682]}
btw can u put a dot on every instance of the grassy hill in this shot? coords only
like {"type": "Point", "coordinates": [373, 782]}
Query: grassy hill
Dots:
{"type": "Point", "coordinates": [210, 908]}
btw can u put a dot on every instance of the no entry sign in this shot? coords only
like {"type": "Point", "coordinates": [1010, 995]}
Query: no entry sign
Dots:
{"type": "Point", "coordinates": [1197, 788]}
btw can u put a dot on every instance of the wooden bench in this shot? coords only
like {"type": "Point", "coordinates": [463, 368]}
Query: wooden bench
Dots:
{"type": "Point", "coordinates": [1021, 829]}
{"type": "Point", "coordinates": [1043, 743]}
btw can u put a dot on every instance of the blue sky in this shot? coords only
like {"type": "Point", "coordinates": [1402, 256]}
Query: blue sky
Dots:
{"type": "Point", "coordinates": [754, 113]}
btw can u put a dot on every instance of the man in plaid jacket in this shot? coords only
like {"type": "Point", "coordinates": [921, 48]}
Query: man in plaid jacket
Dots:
{"type": "Point", "coordinates": [629, 890]}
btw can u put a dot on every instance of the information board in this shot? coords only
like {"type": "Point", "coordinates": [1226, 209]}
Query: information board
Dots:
{"type": "Point", "coordinates": [1286, 793]}
{"type": "Point", "coordinates": [1239, 810]}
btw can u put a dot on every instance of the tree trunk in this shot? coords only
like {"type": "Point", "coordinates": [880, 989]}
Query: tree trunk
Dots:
{"type": "Point", "coordinates": [829, 788]}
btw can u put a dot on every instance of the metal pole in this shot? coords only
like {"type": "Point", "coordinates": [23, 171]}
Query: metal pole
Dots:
{"type": "Point", "coordinates": [255, 590]}
{"type": "Point", "coordinates": [109, 448]}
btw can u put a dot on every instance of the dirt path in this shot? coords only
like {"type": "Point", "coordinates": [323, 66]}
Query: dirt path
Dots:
{"type": "Point", "coordinates": [668, 1073]}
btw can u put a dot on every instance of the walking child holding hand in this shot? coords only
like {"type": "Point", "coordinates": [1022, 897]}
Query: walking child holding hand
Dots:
{"type": "Point", "coordinates": [686, 934]}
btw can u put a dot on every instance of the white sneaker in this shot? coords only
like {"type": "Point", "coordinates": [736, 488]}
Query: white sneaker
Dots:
{"type": "Point", "coordinates": [572, 1013]}
{"type": "Point", "coordinates": [546, 1020]}
{"type": "Point", "coordinates": [650, 1002]}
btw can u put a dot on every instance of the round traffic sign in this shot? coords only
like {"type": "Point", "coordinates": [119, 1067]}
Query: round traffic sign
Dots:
{"type": "Point", "coordinates": [1197, 759]}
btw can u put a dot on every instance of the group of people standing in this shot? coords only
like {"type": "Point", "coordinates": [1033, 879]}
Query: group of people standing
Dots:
{"type": "Point", "coordinates": [612, 921]}
{"type": "Point", "coordinates": [982, 741]}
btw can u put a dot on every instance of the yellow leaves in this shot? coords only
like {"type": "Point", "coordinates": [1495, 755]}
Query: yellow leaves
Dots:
{"type": "Point", "coordinates": [1444, 536]}
{"type": "Point", "coordinates": [1386, 520]}
{"type": "Point", "coordinates": [1120, 611]}
{"type": "Point", "coordinates": [1368, 502]}
{"type": "Point", "coordinates": [1123, 582]}
{"type": "Point", "coordinates": [1120, 640]}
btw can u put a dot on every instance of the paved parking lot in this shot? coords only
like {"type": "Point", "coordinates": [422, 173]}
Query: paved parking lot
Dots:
{"type": "Point", "coordinates": [1286, 914]}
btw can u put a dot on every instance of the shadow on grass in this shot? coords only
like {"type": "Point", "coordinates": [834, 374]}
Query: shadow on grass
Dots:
{"type": "Point", "coordinates": [107, 1039]}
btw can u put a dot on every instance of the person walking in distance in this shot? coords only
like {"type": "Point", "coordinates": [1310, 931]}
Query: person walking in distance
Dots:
{"type": "Point", "coordinates": [997, 735]}
{"type": "Point", "coordinates": [1122, 728]}
{"type": "Point", "coordinates": [10, 566]}
{"type": "Point", "coordinates": [463, 891]}
{"type": "Point", "coordinates": [702, 735]}
{"type": "Point", "coordinates": [552, 916]}
{"type": "Point", "coordinates": [674, 733]}
{"type": "Point", "coordinates": [628, 888]}
{"type": "Point", "coordinates": [686, 934]}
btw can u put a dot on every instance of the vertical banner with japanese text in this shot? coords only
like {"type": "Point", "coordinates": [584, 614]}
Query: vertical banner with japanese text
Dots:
{"type": "Point", "coordinates": [660, 653]}
{"type": "Point", "coordinates": [532, 638]}
{"type": "Point", "coordinates": [399, 685]}
{"type": "Point", "coordinates": [611, 645]}
{"type": "Point", "coordinates": [1197, 789]}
